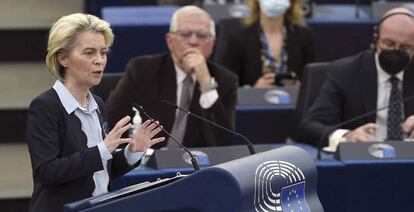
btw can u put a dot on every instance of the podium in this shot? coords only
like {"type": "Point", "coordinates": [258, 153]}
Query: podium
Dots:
{"type": "Point", "coordinates": [282, 179]}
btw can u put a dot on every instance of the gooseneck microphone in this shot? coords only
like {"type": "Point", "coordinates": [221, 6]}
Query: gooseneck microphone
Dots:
{"type": "Point", "coordinates": [357, 8]}
{"type": "Point", "coordinates": [193, 160]}
{"type": "Point", "coordinates": [325, 133]}
{"type": "Point", "coordinates": [248, 142]}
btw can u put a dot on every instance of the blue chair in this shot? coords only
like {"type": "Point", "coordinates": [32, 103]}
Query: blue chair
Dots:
{"type": "Point", "coordinates": [313, 78]}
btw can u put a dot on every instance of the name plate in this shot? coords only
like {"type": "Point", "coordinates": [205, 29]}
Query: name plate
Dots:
{"type": "Point", "coordinates": [206, 156]}
{"type": "Point", "coordinates": [375, 150]}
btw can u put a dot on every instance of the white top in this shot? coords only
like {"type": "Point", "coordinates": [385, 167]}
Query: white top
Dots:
{"type": "Point", "coordinates": [92, 128]}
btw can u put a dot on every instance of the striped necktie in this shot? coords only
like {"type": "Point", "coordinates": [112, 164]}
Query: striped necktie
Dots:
{"type": "Point", "coordinates": [180, 122]}
{"type": "Point", "coordinates": [395, 119]}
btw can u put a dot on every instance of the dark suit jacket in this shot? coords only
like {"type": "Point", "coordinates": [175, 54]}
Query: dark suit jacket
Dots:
{"type": "Point", "coordinates": [350, 90]}
{"type": "Point", "coordinates": [242, 53]}
{"type": "Point", "coordinates": [150, 79]}
{"type": "Point", "coordinates": [63, 165]}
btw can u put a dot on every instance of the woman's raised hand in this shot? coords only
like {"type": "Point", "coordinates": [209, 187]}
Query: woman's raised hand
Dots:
{"type": "Point", "coordinates": [113, 139]}
{"type": "Point", "coordinates": [144, 137]}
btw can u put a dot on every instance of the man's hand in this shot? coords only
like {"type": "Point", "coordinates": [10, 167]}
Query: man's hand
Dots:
{"type": "Point", "coordinates": [408, 126]}
{"type": "Point", "coordinates": [364, 133]}
{"type": "Point", "coordinates": [266, 80]}
{"type": "Point", "coordinates": [194, 60]}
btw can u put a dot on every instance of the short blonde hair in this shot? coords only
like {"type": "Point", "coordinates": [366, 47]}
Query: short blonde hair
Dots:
{"type": "Point", "coordinates": [294, 14]}
{"type": "Point", "coordinates": [191, 10]}
{"type": "Point", "coordinates": [64, 33]}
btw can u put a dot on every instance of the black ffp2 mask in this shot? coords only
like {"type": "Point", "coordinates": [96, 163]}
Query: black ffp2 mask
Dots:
{"type": "Point", "coordinates": [393, 61]}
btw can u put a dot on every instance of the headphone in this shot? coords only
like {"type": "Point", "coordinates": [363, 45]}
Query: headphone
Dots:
{"type": "Point", "coordinates": [378, 25]}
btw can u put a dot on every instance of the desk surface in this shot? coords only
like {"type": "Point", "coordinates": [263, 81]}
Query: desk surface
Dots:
{"type": "Point", "coordinates": [381, 185]}
{"type": "Point", "coordinates": [265, 123]}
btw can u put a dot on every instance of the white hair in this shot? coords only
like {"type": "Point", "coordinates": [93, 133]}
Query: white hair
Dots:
{"type": "Point", "coordinates": [191, 10]}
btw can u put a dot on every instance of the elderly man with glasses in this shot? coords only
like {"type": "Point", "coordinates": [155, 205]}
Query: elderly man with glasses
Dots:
{"type": "Point", "coordinates": [185, 77]}
{"type": "Point", "coordinates": [380, 79]}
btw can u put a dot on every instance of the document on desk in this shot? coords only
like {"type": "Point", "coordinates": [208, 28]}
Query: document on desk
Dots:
{"type": "Point", "coordinates": [133, 189]}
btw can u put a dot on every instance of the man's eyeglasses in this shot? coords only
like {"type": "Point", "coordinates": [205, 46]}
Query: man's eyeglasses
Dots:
{"type": "Point", "coordinates": [187, 34]}
{"type": "Point", "coordinates": [389, 44]}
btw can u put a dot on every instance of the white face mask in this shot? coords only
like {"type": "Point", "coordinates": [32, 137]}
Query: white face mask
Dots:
{"type": "Point", "coordinates": [274, 8]}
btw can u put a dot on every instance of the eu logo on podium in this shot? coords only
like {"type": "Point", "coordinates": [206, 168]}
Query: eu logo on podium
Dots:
{"type": "Point", "coordinates": [293, 198]}
{"type": "Point", "coordinates": [280, 186]}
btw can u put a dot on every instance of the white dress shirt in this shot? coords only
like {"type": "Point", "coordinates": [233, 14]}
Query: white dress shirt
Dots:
{"type": "Point", "coordinates": [206, 100]}
{"type": "Point", "coordinates": [92, 128]}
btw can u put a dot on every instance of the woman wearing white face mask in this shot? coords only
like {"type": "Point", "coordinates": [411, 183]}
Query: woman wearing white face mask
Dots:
{"type": "Point", "coordinates": [274, 45]}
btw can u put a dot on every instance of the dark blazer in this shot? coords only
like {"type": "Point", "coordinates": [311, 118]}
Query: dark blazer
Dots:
{"type": "Point", "coordinates": [242, 53]}
{"type": "Point", "coordinates": [350, 90]}
{"type": "Point", "coordinates": [149, 79]}
{"type": "Point", "coordinates": [63, 165]}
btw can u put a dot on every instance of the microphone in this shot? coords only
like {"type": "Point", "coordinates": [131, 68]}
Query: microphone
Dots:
{"type": "Point", "coordinates": [193, 160]}
{"type": "Point", "coordinates": [325, 133]}
{"type": "Point", "coordinates": [357, 8]}
{"type": "Point", "coordinates": [248, 142]}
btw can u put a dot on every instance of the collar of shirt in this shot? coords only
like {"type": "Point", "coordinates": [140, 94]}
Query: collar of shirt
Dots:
{"type": "Point", "coordinates": [180, 75]}
{"type": "Point", "coordinates": [69, 102]}
{"type": "Point", "coordinates": [383, 76]}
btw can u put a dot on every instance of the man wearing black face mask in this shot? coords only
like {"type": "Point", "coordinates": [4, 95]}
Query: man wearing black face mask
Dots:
{"type": "Point", "coordinates": [364, 82]}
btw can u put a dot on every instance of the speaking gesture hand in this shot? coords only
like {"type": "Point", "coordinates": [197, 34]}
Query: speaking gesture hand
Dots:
{"type": "Point", "coordinates": [143, 138]}
{"type": "Point", "coordinates": [113, 139]}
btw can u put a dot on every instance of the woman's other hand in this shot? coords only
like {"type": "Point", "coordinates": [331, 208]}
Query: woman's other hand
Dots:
{"type": "Point", "coordinates": [143, 138]}
{"type": "Point", "coordinates": [113, 139]}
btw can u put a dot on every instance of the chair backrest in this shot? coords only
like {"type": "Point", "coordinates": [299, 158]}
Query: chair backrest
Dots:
{"type": "Point", "coordinates": [226, 27]}
{"type": "Point", "coordinates": [313, 78]}
{"type": "Point", "coordinates": [108, 83]}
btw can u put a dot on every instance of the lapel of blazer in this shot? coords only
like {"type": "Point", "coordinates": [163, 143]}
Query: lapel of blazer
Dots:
{"type": "Point", "coordinates": [105, 130]}
{"type": "Point", "coordinates": [408, 90]}
{"type": "Point", "coordinates": [104, 125]}
{"type": "Point", "coordinates": [74, 123]}
{"type": "Point", "coordinates": [369, 83]}
{"type": "Point", "coordinates": [168, 86]}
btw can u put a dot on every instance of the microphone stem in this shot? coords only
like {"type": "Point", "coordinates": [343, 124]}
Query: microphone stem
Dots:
{"type": "Point", "coordinates": [319, 154]}
{"type": "Point", "coordinates": [193, 160]}
{"type": "Point", "coordinates": [249, 144]}
{"type": "Point", "coordinates": [357, 8]}
{"type": "Point", "coordinates": [325, 133]}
